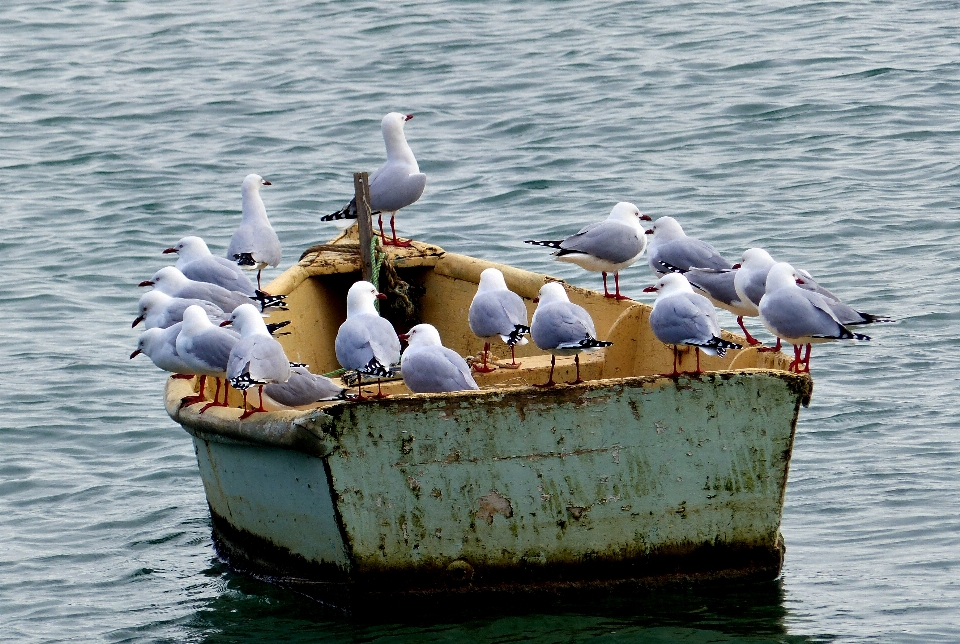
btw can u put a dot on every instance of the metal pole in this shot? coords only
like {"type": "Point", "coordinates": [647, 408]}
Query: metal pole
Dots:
{"type": "Point", "coordinates": [361, 188]}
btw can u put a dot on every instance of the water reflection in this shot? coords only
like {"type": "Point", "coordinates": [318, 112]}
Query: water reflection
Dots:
{"type": "Point", "coordinates": [252, 611]}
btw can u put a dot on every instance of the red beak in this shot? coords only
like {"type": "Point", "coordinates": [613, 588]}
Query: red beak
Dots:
{"type": "Point", "coordinates": [648, 232]}
{"type": "Point", "coordinates": [651, 289]}
{"type": "Point", "coordinates": [225, 323]}
{"type": "Point", "coordinates": [381, 296]}
{"type": "Point", "coordinates": [646, 218]}
{"type": "Point", "coordinates": [169, 250]}
{"type": "Point", "coordinates": [135, 354]}
{"type": "Point", "coordinates": [145, 283]}
{"type": "Point", "coordinates": [735, 266]}
{"type": "Point", "coordinates": [267, 183]}
{"type": "Point", "coordinates": [800, 281]}
{"type": "Point", "coordinates": [137, 321]}
{"type": "Point", "coordinates": [404, 336]}
{"type": "Point", "coordinates": [408, 117]}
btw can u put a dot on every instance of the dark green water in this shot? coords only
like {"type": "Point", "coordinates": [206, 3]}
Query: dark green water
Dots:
{"type": "Point", "coordinates": [828, 133]}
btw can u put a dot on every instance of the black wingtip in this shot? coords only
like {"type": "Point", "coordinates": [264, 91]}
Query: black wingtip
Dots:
{"type": "Point", "coordinates": [244, 259]}
{"type": "Point", "coordinates": [517, 334]}
{"type": "Point", "coordinates": [548, 244]}
{"type": "Point", "coordinates": [268, 301]}
{"type": "Point", "coordinates": [669, 268]}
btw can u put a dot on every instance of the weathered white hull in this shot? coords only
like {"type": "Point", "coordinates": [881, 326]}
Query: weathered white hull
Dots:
{"type": "Point", "coordinates": [618, 480]}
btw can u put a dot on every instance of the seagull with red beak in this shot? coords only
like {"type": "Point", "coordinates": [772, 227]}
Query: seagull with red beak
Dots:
{"type": "Point", "coordinates": [366, 343]}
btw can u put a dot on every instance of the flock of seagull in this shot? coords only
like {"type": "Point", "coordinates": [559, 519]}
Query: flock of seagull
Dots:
{"type": "Point", "coordinates": [191, 303]}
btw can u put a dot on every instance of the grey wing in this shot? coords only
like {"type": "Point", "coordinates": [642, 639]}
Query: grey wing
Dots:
{"type": "Point", "coordinates": [755, 286]}
{"type": "Point", "coordinates": [710, 313]}
{"type": "Point", "coordinates": [303, 388]}
{"type": "Point", "coordinates": [610, 241]}
{"type": "Point", "coordinates": [384, 341]}
{"type": "Point", "coordinates": [213, 348]}
{"type": "Point", "coordinates": [353, 344]}
{"type": "Point", "coordinates": [257, 239]}
{"type": "Point", "coordinates": [810, 284]}
{"type": "Point", "coordinates": [719, 285]}
{"type": "Point", "coordinates": [561, 325]}
{"type": "Point", "coordinates": [210, 269]}
{"type": "Point", "coordinates": [269, 363]}
{"type": "Point", "coordinates": [496, 313]}
{"type": "Point", "coordinates": [395, 186]}
{"type": "Point", "coordinates": [679, 320]}
{"type": "Point", "coordinates": [687, 253]}
{"type": "Point", "coordinates": [179, 304]}
{"type": "Point", "coordinates": [795, 313]}
{"type": "Point", "coordinates": [436, 370]}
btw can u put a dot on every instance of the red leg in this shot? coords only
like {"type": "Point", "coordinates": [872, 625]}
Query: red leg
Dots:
{"type": "Point", "coordinates": [383, 238]}
{"type": "Point", "coordinates": [697, 351]}
{"type": "Point", "coordinates": [806, 359]}
{"type": "Point", "coordinates": [752, 341]}
{"type": "Point", "coordinates": [794, 366]}
{"type": "Point", "coordinates": [258, 278]}
{"type": "Point", "coordinates": [484, 368]}
{"type": "Point", "coordinates": [250, 412]}
{"type": "Point", "coordinates": [380, 393]}
{"type": "Point", "coordinates": [513, 356]}
{"type": "Point", "coordinates": [675, 372]}
{"type": "Point", "coordinates": [606, 293]}
{"type": "Point", "coordinates": [549, 382]}
{"type": "Point", "coordinates": [576, 361]}
{"type": "Point", "coordinates": [774, 348]}
{"type": "Point", "coordinates": [192, 400]}
{"type": "Point", "coordinates": [215, 396]}
{"type": "Point", "coordinates": [360, 395]}
{"type": "Point", "coordinates": [616, 281]}
{"type": "Point", "coordinates": [183, 376]}
{"type": "Point", "coordinates": [401, 243]}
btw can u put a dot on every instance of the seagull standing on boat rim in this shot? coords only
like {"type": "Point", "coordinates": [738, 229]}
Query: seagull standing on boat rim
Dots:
{"type": "Point", "coordinates": [255, 244]}
{"type": "Point", "coordinates": [681, 316]}
{"type": "Point", "coordinates": [798, 316]}
{"type": "Point", "coordinates": [366, 343]}
{"type": "Point", "coordinates": [256, 359]}
{"type": "Point", "coordinates": [607, 246]}
{"type": "Point", "coordinates": [562, 328]}
{"type": "Point", "coordinates": [303, 388]}
{"type": "Point", "coordinates": [205, 348]}
{"type": "Point", "coordinates": [428, 367]}
{"type": "Point", "coordinates": [496, 311]}
{"type": "Point", "coordinates": [751, 284]}
{"type": "Point", "coordinates": [395, 185]}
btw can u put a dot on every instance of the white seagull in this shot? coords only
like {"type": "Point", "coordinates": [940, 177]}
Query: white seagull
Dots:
{"type": "Point", "coordinates": [304, 388]}
{"type": "Point", "coordinates": [160, 345]}
{"type": "Point", "coordinates": [607, 246]}
{"type": "Point", "coordinates": [157, 309]}
{"type": "Point", "coordinates": [365, 342]}
{"type": "Point", "coordinates": [205, 348]}
{"type": "Point", "coordinates": [396, 184]}
{"type": "Point", "coordinates": [255, 244]}
{"type": "Point", "coordinates": [256, 359]}
{"type": "Point", "coordinates": [429, 367]}
{"type": "Point", "coordinates": [496, 311]}
{"type": "Point", "coordinates": [799, 316]}
{"type": "Point", "coordinates": [681, 316]}
{"type": "Point", "coordinates": [562, 328]}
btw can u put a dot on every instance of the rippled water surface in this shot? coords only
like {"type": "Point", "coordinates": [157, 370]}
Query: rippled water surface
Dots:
{"type": "Point", "coordinates": [826, 132]}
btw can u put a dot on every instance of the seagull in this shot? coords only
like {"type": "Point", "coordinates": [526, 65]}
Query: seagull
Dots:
{"type": "Point", "coordinates": [607, 246]}
{"type": "Point", "coordinates": [198, 263]}
{"type": "Point", "coordinates": [157, 309]}
{"type": "Point", "coordinates": [799, 316]}
{"type": "Point", "coordinates": [205, 348]}
{"type": "Point", "coordinates": [671, 245]}
{"type": "Point", "coordinates": [365, 342]}
{"type": "Point", "coordinates": [681, 316]}
{"type": "Point", "coordinates": [396, 184]}
{"type": "Point", "coordinates": [562, 328]}
{"type": "Point", "coordinates": [256, 359]}
{"type": "Point", "coordinates": [717, 285]}
{"type": "Point", "coordinates": [497, 311]}
{"type": "Point", "coordinates": [171, 281]}
{"type": "Point", "coordinates": [160, 345]}
{"type": "Point", "coordinates": [304, 388]}
{"type": "Point", "coordinates": [428, 367]}
{"type": "Point", "coordinates": [255, 244]}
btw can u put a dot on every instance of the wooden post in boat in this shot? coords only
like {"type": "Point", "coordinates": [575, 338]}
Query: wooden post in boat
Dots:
{"type": "Point", "coordinates": [361, 188]}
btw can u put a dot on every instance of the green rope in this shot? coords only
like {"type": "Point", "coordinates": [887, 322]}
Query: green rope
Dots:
{"type": "Point", "coordinates": [376, 261]}
{"type": "Point", "coordinates": [333, 373]}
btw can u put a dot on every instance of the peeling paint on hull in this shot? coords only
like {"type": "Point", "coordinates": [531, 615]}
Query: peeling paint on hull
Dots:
{"type": "Point", "coordinates": [627, 480]}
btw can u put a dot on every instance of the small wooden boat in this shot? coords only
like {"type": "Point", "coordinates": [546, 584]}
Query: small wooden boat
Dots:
{"type": "Point", "coordinates": [629, 477]}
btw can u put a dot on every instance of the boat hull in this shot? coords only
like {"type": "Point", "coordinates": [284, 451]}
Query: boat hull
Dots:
{"type": "Point", "coordinates": [628, 480]}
